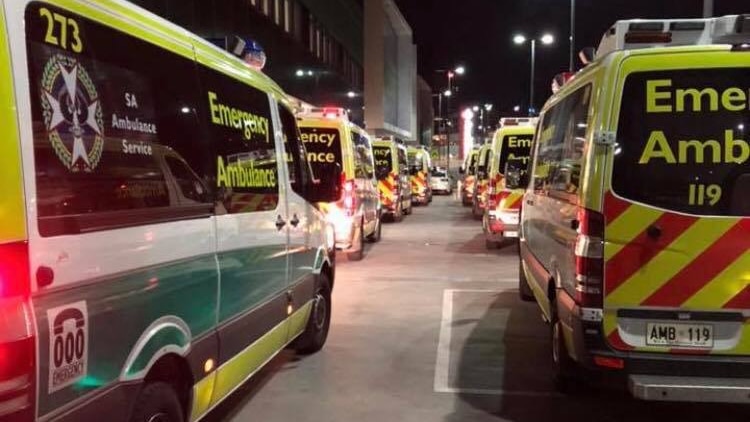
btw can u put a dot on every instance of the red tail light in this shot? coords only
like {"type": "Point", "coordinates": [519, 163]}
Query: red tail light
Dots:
{"type": "Point", "coordinates": [589, 256]}
{"type": "Point", "coordinates": [349, 198]}
{"type": "Point", "coordinates": [17, 343]}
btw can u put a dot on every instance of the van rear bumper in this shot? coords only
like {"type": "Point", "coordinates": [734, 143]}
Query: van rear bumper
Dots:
{"type": "Point", "coordinates": [656, 376]}
{"type": "Point", "coordinates": [690, 389]}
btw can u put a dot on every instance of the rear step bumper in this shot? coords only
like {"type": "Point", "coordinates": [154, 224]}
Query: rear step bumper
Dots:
{"type": "Point", "coordinates": [690, 389]}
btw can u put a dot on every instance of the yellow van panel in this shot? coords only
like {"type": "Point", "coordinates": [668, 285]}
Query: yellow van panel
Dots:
{"type": "Point", "coordinates": [12, 214]}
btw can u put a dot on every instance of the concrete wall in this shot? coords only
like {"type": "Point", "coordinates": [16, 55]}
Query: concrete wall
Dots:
{"type": "Point", "coordinates": [390, 70]}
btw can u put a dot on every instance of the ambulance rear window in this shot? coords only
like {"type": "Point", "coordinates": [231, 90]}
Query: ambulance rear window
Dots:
{"type": "Point", "coordinates": [682, 141]}
{"type": "Point", "coordinates": [470, 167]}
{"type": "Point", "coordinates": [383, 161]}
{"type": "Point", "coordinates": [515, 147]}
{"type": "Point", "coordinates": [323, 147]}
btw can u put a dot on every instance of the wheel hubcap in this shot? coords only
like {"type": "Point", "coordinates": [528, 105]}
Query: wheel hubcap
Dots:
{"type": "Point", "coordinates": [556, 342]}
{"type": "Point", "coordinates": [320, 312]}
{"type": "Point", "coordinates": [159, 417]}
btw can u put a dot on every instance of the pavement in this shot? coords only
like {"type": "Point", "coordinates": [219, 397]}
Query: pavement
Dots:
{"type": "Point", "coordinates": [429, 327]}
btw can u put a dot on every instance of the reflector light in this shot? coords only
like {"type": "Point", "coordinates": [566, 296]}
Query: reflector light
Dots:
{"type": "Point", "coordinates": [14, 270]}
{"type": "Point", "coordinates": [612, 363]}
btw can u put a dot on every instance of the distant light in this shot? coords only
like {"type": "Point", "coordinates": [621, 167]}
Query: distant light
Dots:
{"type": "Point", "coordinates": [309, 73]}
{"type": "Point", "coordinates": [351, 94]}
{"type": "Point", "coordinates": [519, 39]}
{"type": "Point", "coordinates": [467, 114]}
{"type": "Point", "coordinates": [185, 110]}
{"type": "Point", "coordinates": [517, 108]}
{"type": "Point", "coordinates": [300, 73]}
{"type": "Point", "coordinates": [488, 107]}
{"type": "Point", "coordinates": [547, 39]}
{"type": "Point", "coordinates": [741, 126]}
{"type": "Point", "coordinates": [460, 70]}
{"type": "Point", "coordinates": [447, 93]}
{"type": "Point", "coordinates": [475, 108]}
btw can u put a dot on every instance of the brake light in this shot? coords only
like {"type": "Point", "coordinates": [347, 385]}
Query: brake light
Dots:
{"type": "Point", "coordinates": [17, 342]}
{"type": "Point", "coordinates": [349, 188]}
{"type": "Point", "coordinates": [589, 256]}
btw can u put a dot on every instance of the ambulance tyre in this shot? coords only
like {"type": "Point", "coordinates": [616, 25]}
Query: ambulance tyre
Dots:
{"type": "Point", "coordinates": [316, 332]}
{"type": "Point", "coordinates": [375, 236]}
{"type": "Point", "coordinates": [360, 252]}
{"type": "Point", "coordinates": [398, 213]}
{"type": "Point", "coordinates": [410, 209]}
{"type": "Point", "coordinates": [565, 372]}
{"type": "Point", "coordinates": [524, 290]}
{"type": "Point", "coordinates": [157, 401]}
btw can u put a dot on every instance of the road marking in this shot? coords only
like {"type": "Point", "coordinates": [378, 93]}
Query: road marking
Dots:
{"type": "Point", "coordinates": [442, 361]}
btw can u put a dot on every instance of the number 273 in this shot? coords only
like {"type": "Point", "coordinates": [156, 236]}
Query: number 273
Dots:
{"type": "Point", "coordinates": [61, 24]}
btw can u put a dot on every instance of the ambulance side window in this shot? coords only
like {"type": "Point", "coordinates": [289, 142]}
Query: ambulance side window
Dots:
{"type": "Point", "coordinates": [107, 114]}
{"type": "Point", "coordinates": [559, 146]}
{"type": "Point", "coordinates": [299, 170]}
{"type": "Point", "coordinates": [237, 118]}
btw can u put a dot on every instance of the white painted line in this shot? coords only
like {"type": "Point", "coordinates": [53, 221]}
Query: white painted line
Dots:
{"type": "Point", "coordinates": [443, 358]}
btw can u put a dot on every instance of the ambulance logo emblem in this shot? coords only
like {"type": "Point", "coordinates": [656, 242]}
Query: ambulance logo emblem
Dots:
{"type": "Point", "coordinates": [72, 114]}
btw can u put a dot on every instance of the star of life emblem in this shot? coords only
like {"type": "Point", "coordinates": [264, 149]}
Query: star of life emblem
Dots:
{"type": "Point", "coordinates": [72, 114]}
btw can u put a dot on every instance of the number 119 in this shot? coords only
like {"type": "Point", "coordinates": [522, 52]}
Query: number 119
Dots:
{"type": "Point", "coordinates": [700, 193]}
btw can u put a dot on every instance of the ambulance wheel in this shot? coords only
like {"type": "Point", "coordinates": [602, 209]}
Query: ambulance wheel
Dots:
{"type": "Point", "coordinates": [565, 372]}
{"type": "Point", "coordinates": [398, 214]}
{"type": "Point", "coordinates": [524, 290]}
{"type": "Point", "coordinates": [360, 252]}
{"type": "Point", "coordinates": [157, 402]}
{"type": "Point", "coordinates": [409, 210]}
{"type": "Point", "coordinates": [316, 332]}
{"type": "Point", "coordinates": [375, 236]}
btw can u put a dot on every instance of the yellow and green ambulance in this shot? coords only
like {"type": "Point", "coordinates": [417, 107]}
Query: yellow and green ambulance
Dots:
{"type": "Point", "coordinates": [420, 174]}
{"type": "Point", "coordinates": [158, 238]}
{"type": "Point", "coordinates": [634, 227]}
{"type": "Point", "coordinates": [392, 172]}
{"type": "Point", "coordinates": [510, 149]}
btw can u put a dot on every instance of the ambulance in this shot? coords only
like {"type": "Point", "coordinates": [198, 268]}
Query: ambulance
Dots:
{"type": "Point", "coordinates": [481, 181]}
{"type": "Point", "coordinates": [159, 234]}
{"type": "Point", "coordinates": [510, 150]}
{"type": "Point", "coordinates": [341, 156]}
{"type": "Point", "coordinates": [467, 170]}
{"type": "Point", "coordinates": [392, 172]}
{"type": "Point", "coordinates": [420, 171]}
{"type": "Point", "coordinates": [635, 225]}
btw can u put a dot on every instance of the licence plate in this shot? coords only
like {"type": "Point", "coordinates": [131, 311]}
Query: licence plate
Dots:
{"type": "Point", "coordinates": [679, 335]}
{"type": "Point", "coordinates": [510, 234]}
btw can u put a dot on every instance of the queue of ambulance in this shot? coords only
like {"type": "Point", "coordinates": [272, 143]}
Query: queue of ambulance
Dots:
{"type": "Point", "coordinates": [629, 202]}
{"type": "Point", "coordinates": [154, 182]}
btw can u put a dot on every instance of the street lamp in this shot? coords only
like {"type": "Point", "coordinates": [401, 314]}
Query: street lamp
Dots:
{"type": "Point", "coordinates": [460, 70]}
{"type": "Point", "coordinates": [546, 39]}
{"type": "Point", "coordinates": [447, 93]}
{"type": "Point", "coordinates": [351, 94]}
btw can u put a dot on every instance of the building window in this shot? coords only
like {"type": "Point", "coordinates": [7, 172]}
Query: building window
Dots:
{"type": "Point", "coordinates": [287, 16]}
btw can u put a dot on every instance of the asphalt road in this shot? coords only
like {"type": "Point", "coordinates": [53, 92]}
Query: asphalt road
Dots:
{"type": "Point", "coordinates": [429, 327]}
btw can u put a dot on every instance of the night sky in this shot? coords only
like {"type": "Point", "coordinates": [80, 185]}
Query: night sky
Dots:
{"type": "Point", "coordinates": [478, 34]}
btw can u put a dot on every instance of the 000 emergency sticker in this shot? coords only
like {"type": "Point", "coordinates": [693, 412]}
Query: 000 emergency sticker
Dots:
{"type": "Point", "coordinates": [68, 344]}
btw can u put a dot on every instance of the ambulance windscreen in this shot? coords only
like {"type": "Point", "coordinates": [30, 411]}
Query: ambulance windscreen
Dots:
{"type": "Point", "coordinates": [324, 154]}
{"type": "Point", "coordinates": [515, 147]}
{"type": "Point", "coordinates": [383, 161]}
{"type": "Point", "coordinates": [683, 141]}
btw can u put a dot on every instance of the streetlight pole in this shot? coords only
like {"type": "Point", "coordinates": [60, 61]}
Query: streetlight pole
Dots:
{"type": "Point", "coordinates": [531, 81]}
{"type": "Point", "coordinates": [546, 39]}
{"type": "Point", "coordinates": [573, 32]}
{"type": "Point", "coordinates": [708, 8]}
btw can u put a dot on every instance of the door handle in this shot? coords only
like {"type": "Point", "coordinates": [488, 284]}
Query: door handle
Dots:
{"type": "Point", "coordinates": [280, 222]}
{"type": "Point", "coordinates": [530, 202]}
{"type": "Point", "coordinates": [294, 221]}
